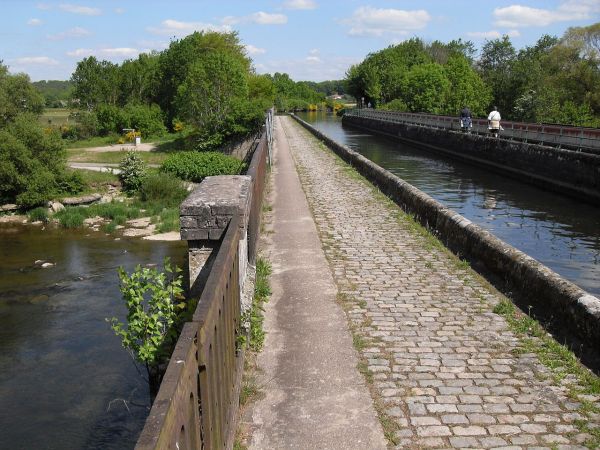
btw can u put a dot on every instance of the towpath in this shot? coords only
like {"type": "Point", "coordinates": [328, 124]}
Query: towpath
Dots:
{"type": "Point", "coordinates": [443, 370]}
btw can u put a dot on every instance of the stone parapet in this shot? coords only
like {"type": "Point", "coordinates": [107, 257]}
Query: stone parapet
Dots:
{"type": "Point", "coordinates": [206, 212]}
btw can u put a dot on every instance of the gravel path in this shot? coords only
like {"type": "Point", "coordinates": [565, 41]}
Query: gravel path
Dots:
{"type": "Point", "coordinates": [445, 370]}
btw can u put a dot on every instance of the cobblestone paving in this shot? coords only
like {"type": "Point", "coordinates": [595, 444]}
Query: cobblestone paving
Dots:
{"type": "Point", "coordinates": [443, 366]}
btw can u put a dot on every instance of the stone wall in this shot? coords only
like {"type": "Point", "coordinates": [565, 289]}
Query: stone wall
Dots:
{"type": "Point", "coordinates": [514, 272]}
{"type": "Point", "coordinates": [565, 171]}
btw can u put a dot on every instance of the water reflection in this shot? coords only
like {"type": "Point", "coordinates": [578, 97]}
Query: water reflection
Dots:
{"type": "Point", "coordinates": [561, 232]}
{"type": "Point", "coordinates": [65, 380]}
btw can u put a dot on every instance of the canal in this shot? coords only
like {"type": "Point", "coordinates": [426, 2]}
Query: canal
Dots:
{"type": "Point", "coordinates": [65, 381]}
{"type": "Point", "coordinates": [558, 231]}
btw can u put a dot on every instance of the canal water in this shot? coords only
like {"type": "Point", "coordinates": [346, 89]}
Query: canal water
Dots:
{"type": "Point", "coordinates": [558, 231]}
{"type": "Point", "coordinates": [65, 381]}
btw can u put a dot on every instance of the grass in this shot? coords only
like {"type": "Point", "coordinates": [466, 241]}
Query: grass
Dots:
{"type": "Point", "coordinates": [95, 181]}
{"type": "Point", "coordinates": [560, 360]}
{"type": "Point", "coordinates": [38, 215]}
{"type": "Point", "coordinates": [115, 211]}
{"type": "Point", "coordinates": [112, 157]}
{"type": "Point", "coordinates": [96, 141]}
{"type": "Point", "coordinates": [55, 117]}
{"type": "Point", "coordinates": [262, 291]}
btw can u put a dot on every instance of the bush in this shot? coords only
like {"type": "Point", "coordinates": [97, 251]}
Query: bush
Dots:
{"type": "Point", "coordinates": [133, 171]}
{"type": "Point", "coordinates": [162, 187]}
{"type": "Point", "coordinates": [194, 166]}
{"type": "Point", "coordinates": [38, 215]}
{"type": "Point", "coordinates": [148, 120]}
{"type": "Point", "coordinates": [110, 119]}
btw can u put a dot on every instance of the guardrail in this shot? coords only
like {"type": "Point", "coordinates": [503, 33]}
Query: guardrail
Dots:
{"type": "Point", "coordinates": [197, 404]}
{"type": "Point", "coordinates": [579, 138]}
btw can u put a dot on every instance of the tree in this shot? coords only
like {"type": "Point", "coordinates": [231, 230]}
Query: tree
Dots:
{"type": "Point", "coordinates": [206, 97]}
{"type": "Point", "coordinates": [95, 82]}
{"type": "Point", "coordinates": [32, 163]}
{"type": "Point", "coordinates": [426, 88]}
{"type": "Point", "coordinates": [466, 87]}
{"type": "Point", "coordinates": [496, 64]}
{"type": "Point", "coordinates": [17, 96]}
{"type": "Point", "coordinates": [176, 61]}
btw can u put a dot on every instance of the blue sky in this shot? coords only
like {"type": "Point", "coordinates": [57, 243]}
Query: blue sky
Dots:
{"type": "Point", "coordinates": [309, 39]}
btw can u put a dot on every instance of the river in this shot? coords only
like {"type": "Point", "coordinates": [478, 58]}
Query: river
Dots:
{"type": "Point", "coordinates": [558, 231]}
{"type": "Point", "coordinates": [65, 381]}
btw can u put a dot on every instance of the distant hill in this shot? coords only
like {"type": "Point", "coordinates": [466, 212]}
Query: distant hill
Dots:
{"type": "Point", "coordinates": [56, 93]}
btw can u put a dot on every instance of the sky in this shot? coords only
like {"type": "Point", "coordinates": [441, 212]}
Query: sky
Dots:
{"type": "Point", "coordinates": [312, 40]}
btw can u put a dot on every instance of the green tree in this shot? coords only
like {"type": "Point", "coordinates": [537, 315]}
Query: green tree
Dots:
{"type": "Point", "coordinates": [32, 163]}
{"type": "Point", "coordinates": [95, 82]}
{"type": "Point", "coordinates": [208, 95]}
{"type": "Point", "coordinates": [17, 96]}
{"type": "Point", "coordinates": [426, 88]}
{"type": "Point", "coordinates": [496, 64]}
{"type": "Point", "coordinates": [466, 87]}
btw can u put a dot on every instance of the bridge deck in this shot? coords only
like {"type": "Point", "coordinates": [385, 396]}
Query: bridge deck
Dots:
{"type": "Point", "coordinates": [444, 370]}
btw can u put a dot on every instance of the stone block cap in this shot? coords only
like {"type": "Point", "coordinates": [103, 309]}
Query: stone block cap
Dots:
{"type": "Point", "coordinates": [206, 212]}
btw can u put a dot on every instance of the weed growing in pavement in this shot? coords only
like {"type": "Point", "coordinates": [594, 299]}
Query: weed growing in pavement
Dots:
{"type": "Point", "coordinates": [559, 359]}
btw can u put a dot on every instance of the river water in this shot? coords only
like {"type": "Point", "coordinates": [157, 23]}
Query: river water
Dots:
{"type": "Point", "coordinates": [65, 381]}
{"type": "Point", "coordinates": [560, 232]}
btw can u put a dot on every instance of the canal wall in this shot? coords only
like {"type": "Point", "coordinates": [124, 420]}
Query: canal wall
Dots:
{"type": "Point", "coordinates": [569, 172]}
{"type": "Point", "coordinates": [569, 307]}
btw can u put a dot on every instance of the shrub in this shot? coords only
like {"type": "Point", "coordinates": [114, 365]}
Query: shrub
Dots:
{"type": "Point", "coordinates": [155, 304]}
{"type": "Point", "coordinates": [38, 214]}
{"type": "Point", "coordinates": [133, 171]}
{"type": "Point", "coordinates": [162, 187]}
{"type": "Point", "coordinates": [148, 120]}
{"type": "Point", "coordinates": [110, 119]}
{"type": "Point", "coordinates": [194, 166]}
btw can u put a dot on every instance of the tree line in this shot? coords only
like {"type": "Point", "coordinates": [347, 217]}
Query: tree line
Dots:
{"type": "Point", "coordinates": [556, 80]}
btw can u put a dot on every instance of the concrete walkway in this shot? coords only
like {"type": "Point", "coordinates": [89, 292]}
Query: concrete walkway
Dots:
{"type": "Point", "coordinates": [315, 397]}
{"type": "Point", "coordinates": [443, 369]}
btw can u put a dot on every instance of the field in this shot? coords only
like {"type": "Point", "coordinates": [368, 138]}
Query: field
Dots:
{"type": "Point", "coordinates": [55, 117]}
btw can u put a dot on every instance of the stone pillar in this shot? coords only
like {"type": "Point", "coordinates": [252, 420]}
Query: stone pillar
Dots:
{"type": "Point", "coordinates": [204, 216]}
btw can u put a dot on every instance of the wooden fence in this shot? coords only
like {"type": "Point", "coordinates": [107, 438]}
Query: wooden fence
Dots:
{"type": "Point", "coordinates": [197, 404]}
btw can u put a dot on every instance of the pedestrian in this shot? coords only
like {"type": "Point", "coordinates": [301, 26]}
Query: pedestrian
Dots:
{"type": "Point", "coordinates": [465, 119]}
{"type": "Point", "coordinates": [494, 122]}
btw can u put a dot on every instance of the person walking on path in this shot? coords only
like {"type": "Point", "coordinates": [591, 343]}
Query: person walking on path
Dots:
{"type": "Point", "coordinates": [494, 122]}
{"type": "Point", "coordinates": [465, 119]}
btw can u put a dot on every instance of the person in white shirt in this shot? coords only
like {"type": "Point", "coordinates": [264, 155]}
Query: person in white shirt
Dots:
{"type": "Point", "coordinates": [494, 122]}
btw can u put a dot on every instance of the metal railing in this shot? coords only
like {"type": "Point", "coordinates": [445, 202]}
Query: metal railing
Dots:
{"type": "Point", "coordinates": [197, 403]}
{"type": "Point", "coordinates": [579, 138]}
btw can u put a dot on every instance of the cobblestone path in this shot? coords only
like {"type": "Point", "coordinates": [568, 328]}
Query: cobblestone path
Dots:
{"type": "Point", "coordinates": [445, 369]}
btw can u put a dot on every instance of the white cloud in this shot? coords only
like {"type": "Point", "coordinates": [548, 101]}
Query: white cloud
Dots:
{"type": "Point", "coordinates": [260, 18]}
{"type": "Point", "coordinates": [176, 28]}
{"type": "Point", "coordinates": [119, 10]}
{"type": "Point", "coordinates": [43, 6]}
{"type": "Point", "coordinates": [77, 9]}
{"type": "Point", "coordinates": [368, 21]}
{"type": "Point", "coordinates": [492, 34]}
{"type": "Point", "coordinates": [300, 4]}
{"type": "Point", "coordinates": [76, 32]}
{"type": "Point", "coordinates": [37, 61]}
{"type": "Point", "coordinates": [119, 52]}
{"type": "Point", "coordinates": [516, 16]}
{"type": "Point", "coordinates": [34, 22]}
{"type": "Point", "coordinates": [252, 50]}
{"type": "Point", "coordinates": [313, 56]}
